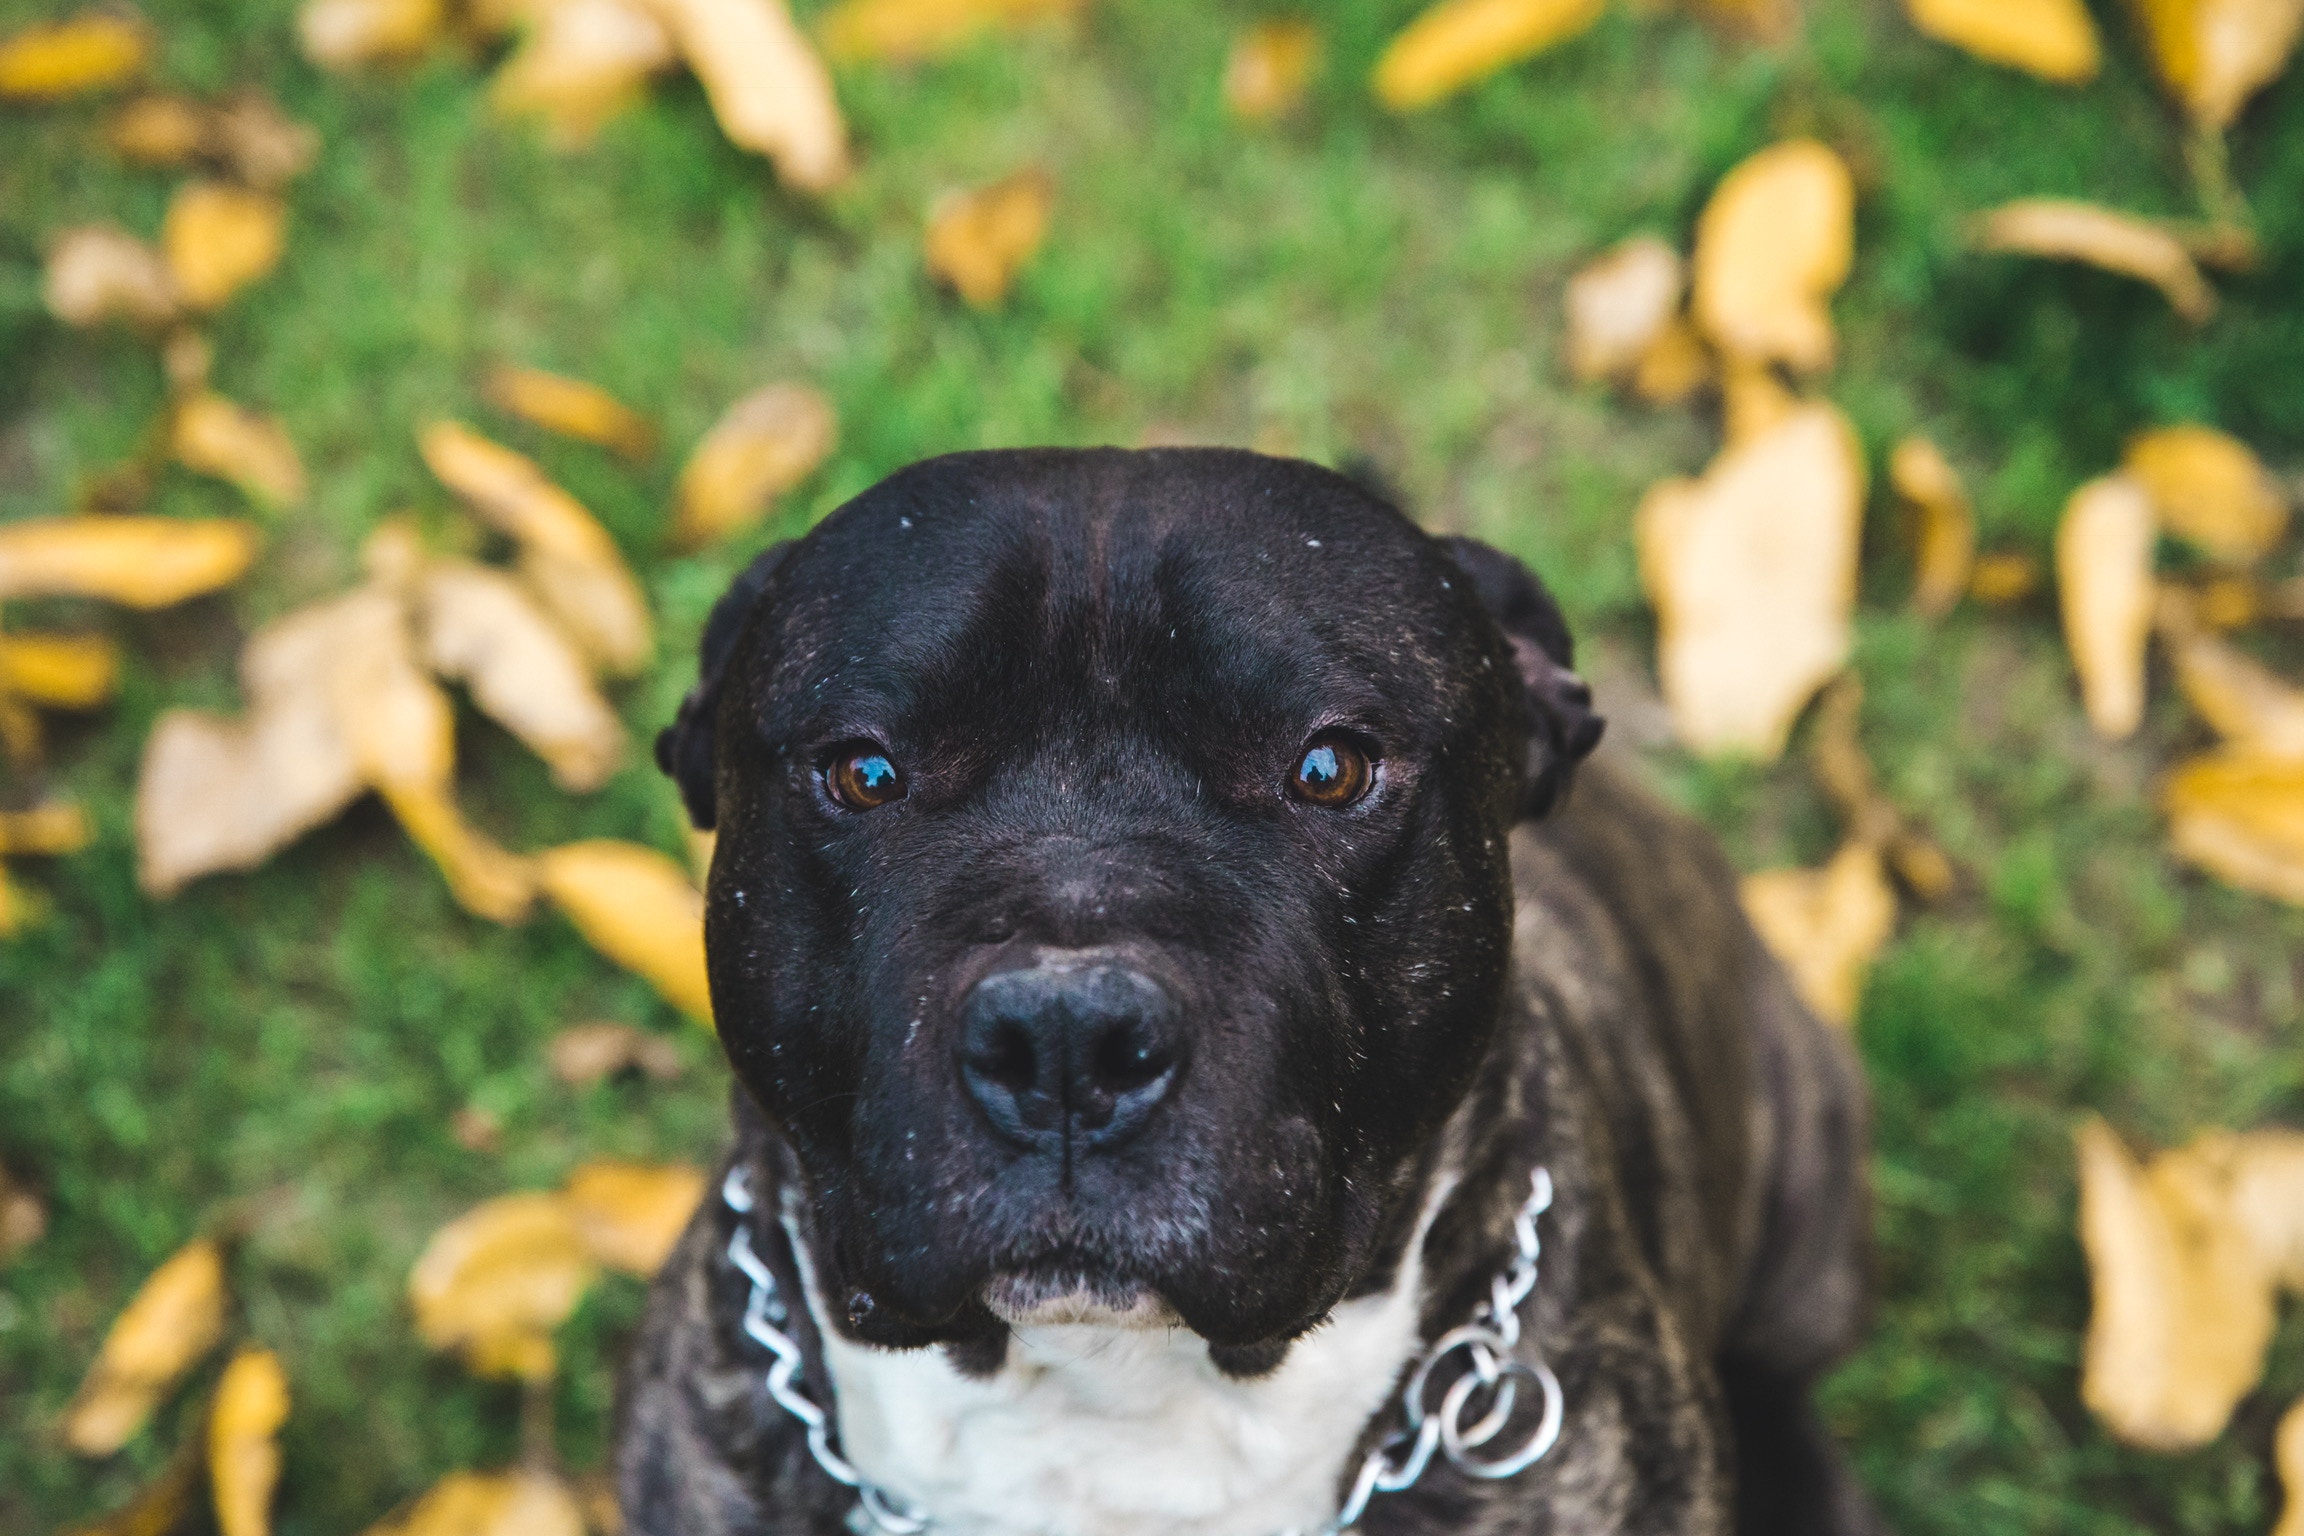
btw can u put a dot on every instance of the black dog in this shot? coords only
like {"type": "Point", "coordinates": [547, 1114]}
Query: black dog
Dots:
{"type": "Point", "coordinates": [1161, 997]}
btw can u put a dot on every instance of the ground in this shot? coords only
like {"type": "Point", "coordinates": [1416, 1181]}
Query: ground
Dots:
{"type": "Point", "coordinates": [280, 1055]}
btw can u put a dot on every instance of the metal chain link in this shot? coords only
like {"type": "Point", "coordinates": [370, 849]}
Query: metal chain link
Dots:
{"type": "Point", "coordinates": [1491, 1381]}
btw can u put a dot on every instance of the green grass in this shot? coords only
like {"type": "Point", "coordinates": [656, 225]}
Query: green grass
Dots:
{"type": "Point", "coordinates": [280, 1054]}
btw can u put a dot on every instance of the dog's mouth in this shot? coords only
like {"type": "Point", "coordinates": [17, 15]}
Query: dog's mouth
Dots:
{"type": "Point", "coordinates": [1062, 1292]}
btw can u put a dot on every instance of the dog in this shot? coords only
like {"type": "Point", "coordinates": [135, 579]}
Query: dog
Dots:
{"type": "Point", "coordinates": [1199, 1069]}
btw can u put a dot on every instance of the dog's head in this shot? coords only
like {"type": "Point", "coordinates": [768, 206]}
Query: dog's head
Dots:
{"type": "Point", "coordinates": [1112, 892]}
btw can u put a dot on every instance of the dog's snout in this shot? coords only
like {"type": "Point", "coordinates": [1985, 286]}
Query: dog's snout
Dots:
{"type": "Point", "coordinates": [1069, 1055]}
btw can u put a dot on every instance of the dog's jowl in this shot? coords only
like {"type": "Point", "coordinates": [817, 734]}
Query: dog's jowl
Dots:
{"type": "Point", "coordinates": [1204, 1067]}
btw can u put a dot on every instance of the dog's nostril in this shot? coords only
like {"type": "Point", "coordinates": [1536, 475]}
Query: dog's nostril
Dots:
{"type": "Point", "coordinates": [1125, 1058]}
{"type": "Point", "coordinates": [1005, 1056]}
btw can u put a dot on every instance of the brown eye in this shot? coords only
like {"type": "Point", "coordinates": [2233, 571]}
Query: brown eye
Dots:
{"type": "Point", "coordinates": [1332, 773]}
{"type": "Point", "coordinates": [862, 778]}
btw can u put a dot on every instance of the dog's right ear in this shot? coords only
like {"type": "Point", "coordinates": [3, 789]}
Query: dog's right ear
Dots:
{"type": "Point", "coordinates": [684, 748]}
{"type": "Point", "coordinates": [1564, 728]}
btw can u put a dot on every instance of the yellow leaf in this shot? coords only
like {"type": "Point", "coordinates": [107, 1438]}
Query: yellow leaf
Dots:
{"type": "Point", "coordinates": [1752, 571]}
{"type": "Point", "coordinates": [2104, 582]}
{"type": "Point", "coordinates": [580, 63]}
{"type": "Point", "coordinates": [160, 130]}
{"type": "Point", "coordinates": [1459, 42]}
{"type": "Point", "coordinates": [2215, 54]}
{"type": "Point", "coordinates": [501, 1277]}
{"type": "Point", "coordinates": [1675, 366]}
{"type": "Point", "coordinates": [58, 827]}
{"type": "Point", "coordinates": [341, 34]}
{"type": "Point", "coordinates": [2240, 816]}
{"type": "Point", "coordinates": [770, 92]}
{"type": "Point", "coordinates": [92, 52]}
{"type": "Point", "coordinates": [636, 907]}
{"type": "Point", "coordinates": [98, 273]}
{"type": "Point", "coordinates": [1753, 401]}
{"type": "Point", "coordinates": [173, 1320]}
{"type": "Point", "coordinates": [1269, 68]}
{"type": "Point", "coordinates": [1947, 543]}
{"type": "Point", "coordinates": [214, 436]}
{"type": "Point", "coordinates": [902, 31]}
{"type": "Point", "coordinates": [1825, 925]}
{"type": "Point", "coordinates": [2242, 700]}
{"type": "Point", "coordinates": [584, 1054]}
{"type": "Point", "coordinates": [2065, 230]}
{"type": "Point", "coordinates": [2004, 576]}
{"type": "Point", "coordinates": [2054, 39]}
{"type": "Point", "coordinates": [571, 408]}
{"type": "Point", "coordinates": [761, 447]}
{"type": "Point", "coordinates": [17, 910]}
{"type": "Point", "coordinates": [2288, 1458]}
{"type": "Point", "coordinates": [520, 1503]}
{"type": "Point", "coordinates": [218, 239]}
{"type": "Point", "coordinates": [2268, 1198]}
{"type": "Point", "coordinates": [243, 1442]}
{"type": "Point", "coordinates": [2209, 490]}
{"type": "Point", "coordinates": [1772, 247]}
{"type": "Point", "coordinates": [263, 145]}
{"type": "Point", "coordinates": [142, 562]}
{"type": "Point", "coordinates": [59, 671]}
{"type": "Point", "coordinates": [1620, 305]}
{"type": "Point", "coordinates": [485, 879]}
{"type": "Point", "coordinates": [632, 1213]}
{"type": "Point", "coordinates": [979, 240]}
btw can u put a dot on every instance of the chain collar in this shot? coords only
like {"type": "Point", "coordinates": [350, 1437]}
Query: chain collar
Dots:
{"type": "Point", "coordinates": [1491, 1383]}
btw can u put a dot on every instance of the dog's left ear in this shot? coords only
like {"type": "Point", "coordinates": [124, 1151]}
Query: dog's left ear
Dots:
{"type": "Point", "coordinates": [684, 748]}
{"type": "Point", "coordinates": [1563, 729]}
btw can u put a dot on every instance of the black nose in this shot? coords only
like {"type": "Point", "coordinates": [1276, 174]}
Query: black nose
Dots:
{"type": "Point", "coordinates": [1069, 1056]}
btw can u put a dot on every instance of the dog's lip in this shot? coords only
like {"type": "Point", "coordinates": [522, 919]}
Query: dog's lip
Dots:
{"type": "Point", "coordinates": [1055, 1295]}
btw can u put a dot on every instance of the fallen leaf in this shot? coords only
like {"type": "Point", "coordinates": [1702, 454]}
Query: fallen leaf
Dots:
{"type": "Point", "coordinates": [2288, 1458]}
{"type": "Point", "coordinates": [2061, 229]}
{"type": "Point", "coordinates": [263, 145]}
{"type": "Point", "coordinates": [2210, 490]}
{"type": "Point", "coordinates": [477, 1131]}
{"type": "Point", "coordinates": [632, 1213]}
{"type": "Point", "coordinates": [760, 448]}
{"type": "Point", "coordinates": [59, 671]}
{"type": "Point", "coordinates": [603, 1514]}
{"type": "Point", "coordinates": [580, 63]}
{"type": "Point", "coordinates": [168, 1505]}
{"type": "Point", "coordinates": [770, 92]}
{"type": "Point", "coordinates": [2004, 576]}
{"type": "Point", "coordinates": [2268, 1198]}
{"type": "Point", "coordinates": [1458, 42]}
{"type": "Point", "coordinates": [186, 358]}
{"type": "Point", "coordinates": [91, 52]}
{"type": "Point", "coordinates": [217, 437]}
{"type": "Point", "coordinates": [1620, 305]}
{"type": "Point", "coordinates": [2240, 816]}
{"type": "Point", "coordinates": [584, 1054]}
{"type": "Point", "coordinates": [244, 1442]}
{"type": "Point", "coordinates": [978, 241]}
{"type": "Point", "coordinates": [1946, 553]}
{"type": "Point", "coordinates": [98, 273]}
{"type": "Point", "coordinates": [1772, 247]}
{"type": "Point", "coordinates": [571, 408]}
{"type": "Point", "coordinates": [2242, 700]}
{"type": "Point", "coordinates": [1752, 571]}
{"type": "Point", "coordinates": [23, 1219]}
{"type": "Point", "coordinates": [142, 562]}
{"type": "Point", "coordinates": [1844, 772]}
{"type": "Point", "coordinates": [2215, 54]}
{"type": "Point", "coordinates": [636, 907]}
{"type": "Point", "coordinates": [1675, 367]}
{"type": "Point", "coordinates": [906, 31]}
{"type": "Point", "coordinates": [519, 1503]}
{"type": "Point", "coordinates": [17, 910]}
{"type": "Point", "coordinates": [174, 1319]}
{"type": "Point", "coordinates": [1825, 925]}
{"type": "Point", "coordinates": [343, 34]}
{"type": "Point", "coordinates": [2054, 39]}
{"type": "Point", "coordinates": [45, 831]}
{"type": "Point", "coordinates": [160, 130]}
{"type": "Point", "coordinates": [497, 1280]}
{"type": "Point", "coordinates": [486, 879]}
{"type": "Point", "coordinates": [2104, 581]}
{"type": "Point", "coordinates": [218, 239]}
{"type": "Point", "coordinates": [1269, 68]}
{"type": "Point", "coordinates": [1753, 401]}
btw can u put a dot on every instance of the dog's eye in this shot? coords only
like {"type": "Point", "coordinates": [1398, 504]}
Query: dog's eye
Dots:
{"type": "Point", "coordinates": [861, 778]}
{"type": "Point", "coordinates": [1333, 773]}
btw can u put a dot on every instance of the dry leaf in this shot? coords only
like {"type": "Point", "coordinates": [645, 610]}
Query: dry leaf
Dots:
{"type": "Point", "coordinates": [218, 239]}
{"type": "Point", "coordinates": [1845, 774]}
{"type": "Point", "coordinates": [766, 85]}
{"type": "Point", "coordinates": [2288, 1458]}
{"type": "Point", "coordinates": [173, 1320]}
{"type": "Point", "coordinates": [58, 827]}
{"type": "Point", "coordinates": [2062, 229]}
{"type": "Point", "coordinates": [23, 1219]}
{"type": "Point", "coordinates": [486, 880]}
{"type": "Point", "coordinates": [2242, 700]}
{"type": "Point", "coordinates": [632, 1213]}
{"type": "Point", "coordinates": [160, 129]}
{"type": "Point", "coordinates": [2268, 1198]}
{"type": "Point", "coordinates": [903, 31]}
{"type": "Point", "coordinates": [59, 671]}
{"type": "Point", "coordinates": [527, 1502]}
{"type": "Point", "coordinates": [142, 562]}
{"type": "Point", "coordinates": [2240, 816]}
{"type": "Point", "coordinates": [98, 273]}
{"type": "Point", "coordinates": [2215, 54]}
{"type": "Point", "coordinates": [214, 436]}
{"type": "Point", "coordinates": [92, 52]}
{"type": "Point", "coordinates": [571, 408]}
{"type": "Point", "coordinates": [1620, 306]}
{"type": "Point", "coordinates": [264, 146]}
{"type": "Point", "coordinates": [580, 63]}
{"type": "Point", "coordinates": [243, 1442]}
{"type": "Point", "coordinates": [2104, 580]}
{"type": "Point", "coordinates": [1459, 42]}
{"type": "Point", "coordinates": [1270, 67]}
{"type": "Point", "coordinates": [1825, 925]}
{"type": "Point", "coordinates": [584, 1054]}
{"type": "Point", "coordinates": [1675, 367]}
{"type": "Point", "coordinates": [2054, 39]}
{"type": "Point", "coordinates": [1947, 533]}
{"type": "Point", "coordinates": [1772, 247]}
{"type": "Point", "coordinates": [978, 241]}
{"type": "Point", "coordinates": [498, 1279]}
{"type": "Point", "coordinates": [1752, 571]}
{"type": "Point", "coordinates": [2004, 576]}
{"type": "Point", "coordinates": [341, 34]}
{"type": "Point", "coordinates": [1753, 402]}
{"type": "Point", "coordinates": [2209, 490]}
{"type": "Point", "coordinates": [761, 447]}
{"type": "Point", "coordinates": [636, 907]}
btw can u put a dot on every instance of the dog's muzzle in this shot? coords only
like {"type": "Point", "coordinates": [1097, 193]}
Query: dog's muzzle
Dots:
{"type": "Point", "coordinates": [1071, 1054]}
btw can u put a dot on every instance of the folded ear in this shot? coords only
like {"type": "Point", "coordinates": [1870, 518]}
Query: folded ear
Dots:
{"type": "Point", "coordinates": [1563, 729]}
{"type": "Point", "coordinates": [684, 748]}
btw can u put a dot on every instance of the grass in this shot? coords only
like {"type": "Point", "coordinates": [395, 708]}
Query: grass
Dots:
{"type": "Point", "coordinates": [281, 1054]}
